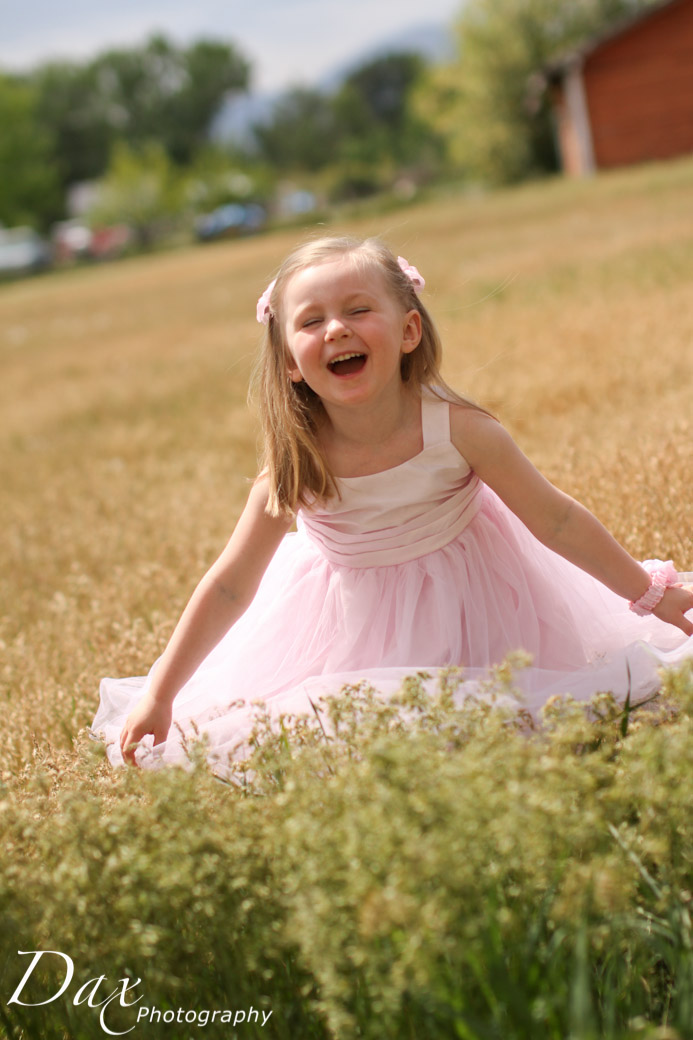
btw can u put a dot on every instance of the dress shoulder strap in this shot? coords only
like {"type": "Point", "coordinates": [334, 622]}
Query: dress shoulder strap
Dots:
{"type": "Point", "coordinates": [435, 419]}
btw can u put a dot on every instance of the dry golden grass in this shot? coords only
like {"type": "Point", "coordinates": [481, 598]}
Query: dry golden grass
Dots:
{"type": "Point", "coordinates": [127, 446]}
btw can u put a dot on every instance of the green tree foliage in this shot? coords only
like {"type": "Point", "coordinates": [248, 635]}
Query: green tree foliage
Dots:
{"type": "Point", "coordinates": [372, 105]}
{"type": "Point", "coordinates": [29, 192]}
{"type": "Point", "coordinates": [380, 135]}
{"type": "Point", "coordinates": [154, 92]}
{"type": "Point", "coordinates": [362, 135]}
{"type": "Point", "coordinates": [143, 189]}
{"type": "Point", "coordinates": [83, 129]}
{"type": "Point", "coordinates": [483, 102]}
{"type": "Point", "coordinates": [216, 178]}
{"type": "Point", "coordinates": [301, 134]}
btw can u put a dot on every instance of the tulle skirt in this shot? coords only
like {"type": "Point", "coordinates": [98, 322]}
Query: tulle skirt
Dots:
{"type": "Point", "coordinates": [314, 627]}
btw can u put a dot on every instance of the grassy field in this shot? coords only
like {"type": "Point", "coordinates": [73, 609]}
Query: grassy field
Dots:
{"type": "Point", "coordinates": [127, 446]}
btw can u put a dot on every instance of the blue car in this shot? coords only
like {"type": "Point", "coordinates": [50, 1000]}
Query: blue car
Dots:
{"type": "Point", "coordinates": [229, 221]}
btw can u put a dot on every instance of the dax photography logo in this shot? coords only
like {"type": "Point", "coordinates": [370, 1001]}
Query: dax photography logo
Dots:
{"type": "Point", "coordinates": [91, 994]}
{"type": "Point", "coordinates": [88, 993]}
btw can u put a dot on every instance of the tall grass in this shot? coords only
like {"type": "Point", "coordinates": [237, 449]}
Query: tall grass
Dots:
{"type": "Point", "coordinates": [435, 873]}
{"type": "Point", "coordinates": [428, 871]}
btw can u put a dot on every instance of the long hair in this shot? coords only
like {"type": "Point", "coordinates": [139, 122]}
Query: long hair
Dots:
{"type": "Point", "coordinates": [291, 412]}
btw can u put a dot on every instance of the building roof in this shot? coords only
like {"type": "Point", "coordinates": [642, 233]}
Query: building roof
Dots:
{"type": "Point", "coordinates": [555, 69]}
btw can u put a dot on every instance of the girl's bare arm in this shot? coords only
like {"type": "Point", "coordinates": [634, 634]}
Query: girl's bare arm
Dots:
{"type": "Point", "coordinates": [221, 597]}
{"type": "Point", "coordinates": [555, 518]}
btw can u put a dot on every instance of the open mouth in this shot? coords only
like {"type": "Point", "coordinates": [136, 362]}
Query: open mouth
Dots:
{"type": "Point", "coordinates": [347, 364]}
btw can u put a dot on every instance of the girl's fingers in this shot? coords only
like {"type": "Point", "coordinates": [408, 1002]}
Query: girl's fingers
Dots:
{"type": "Point", "coordinates": [128, 747]}
{"type": "Point", "coordinates": [685, 624]}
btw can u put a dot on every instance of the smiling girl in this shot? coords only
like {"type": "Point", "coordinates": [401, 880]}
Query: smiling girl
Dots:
{"type": "Point", "coordinates": [425, 538]}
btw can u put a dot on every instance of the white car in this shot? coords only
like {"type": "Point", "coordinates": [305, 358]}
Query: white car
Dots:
{"type": "Point", "coordinates": [22, 250]}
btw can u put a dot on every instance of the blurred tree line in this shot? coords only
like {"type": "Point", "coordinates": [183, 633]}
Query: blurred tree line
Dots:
{"type": "Point", "coordinates": [363, 137]}
{"type": "Point", "coordinates": [70, 122]}
{"type": "Point", "coordinates": [138, 120]}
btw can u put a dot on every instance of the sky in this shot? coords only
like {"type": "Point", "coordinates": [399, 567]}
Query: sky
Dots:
{"type": "Point", "coordinates": [286, 41]}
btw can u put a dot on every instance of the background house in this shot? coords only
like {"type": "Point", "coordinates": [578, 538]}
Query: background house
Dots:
{"type": "Point", "coordinates": [627, 96]}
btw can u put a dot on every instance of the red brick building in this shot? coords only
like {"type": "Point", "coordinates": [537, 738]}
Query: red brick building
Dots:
{"type": "Point", "coordinates": [627, 96]}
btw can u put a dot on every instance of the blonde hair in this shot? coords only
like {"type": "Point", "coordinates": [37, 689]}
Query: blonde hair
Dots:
{"type": "Point", "coordinates": [291, 412]}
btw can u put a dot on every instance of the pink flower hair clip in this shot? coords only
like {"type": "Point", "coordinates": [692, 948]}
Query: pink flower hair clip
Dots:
{"type": "Point", "coordinates": [412, 274]}
{"type": "Point", "coordinates": [263, 304]}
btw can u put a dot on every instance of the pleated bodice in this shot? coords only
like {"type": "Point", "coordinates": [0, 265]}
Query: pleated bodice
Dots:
{"type": "Point", "coordinates": [401, 513]}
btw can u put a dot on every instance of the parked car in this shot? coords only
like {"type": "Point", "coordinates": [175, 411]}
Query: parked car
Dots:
{"type": "Point", "coordinates": [23, 251]}
{"type": "Point", "coordinates": [229, 221]}
{"type": "Point", "coordinates": [71, 241]}
{"type": "Point", "coordinates": [74, 241]}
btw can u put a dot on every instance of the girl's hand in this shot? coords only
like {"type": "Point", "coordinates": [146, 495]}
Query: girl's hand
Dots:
{"type": "Point", "coordinates": [676, 601]}
{"type": "Point", "coordinates": [148, 716]}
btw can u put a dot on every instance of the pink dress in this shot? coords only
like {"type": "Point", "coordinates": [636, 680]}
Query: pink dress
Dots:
{"type": "Point", "coordinates": [410, 569]}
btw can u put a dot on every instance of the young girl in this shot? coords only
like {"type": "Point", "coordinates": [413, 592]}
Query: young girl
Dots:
{"type": "Point", "coordinates": [425, 537]}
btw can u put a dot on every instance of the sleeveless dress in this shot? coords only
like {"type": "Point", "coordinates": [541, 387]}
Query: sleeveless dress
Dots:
{"type": "Point", "coordinates": [418, 567]}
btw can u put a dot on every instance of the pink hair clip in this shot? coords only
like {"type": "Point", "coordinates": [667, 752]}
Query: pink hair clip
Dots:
{"type": "Point", "coordinates": [412, 274]}
{"type": "Point", "coordinates": [263, 304]}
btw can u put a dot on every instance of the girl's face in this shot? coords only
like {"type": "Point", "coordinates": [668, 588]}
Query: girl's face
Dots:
{"type": "Point", "coordinates": [345, 331]}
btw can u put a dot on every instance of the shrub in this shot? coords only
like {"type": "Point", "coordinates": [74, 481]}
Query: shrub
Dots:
{"type": "Point", "coordinates": [400, 869]}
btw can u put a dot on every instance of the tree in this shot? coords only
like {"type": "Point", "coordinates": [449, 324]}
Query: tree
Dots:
{"type": "Point", "coordinates": [217, 178]}
{"type": "Point", "coordinates": [301, 134]}
{"type": "Point", "coordinates": [143, 189]}
{"type": "Point", "coordinates": [377, 93]}
{"type": "Point", "coordinates": [379, 132]}
{"type": "Point", "coordinates": [373, 107]}
{"type": "Point", "coordinates": [481, 102]}
{"type": "Point", "coordinates": [357, 139]}
{"type": "Point", "coordinates": [154, 92]}
{"type": "Point", "coordinates": [29, 182]}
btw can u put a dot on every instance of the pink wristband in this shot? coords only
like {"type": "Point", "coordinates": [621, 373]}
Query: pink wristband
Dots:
{"type": "Point", "coordinates": [662, 575]}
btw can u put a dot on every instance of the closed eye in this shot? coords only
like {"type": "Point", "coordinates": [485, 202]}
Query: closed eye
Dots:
{"type": "Point", "coordinates": [310, 321]}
